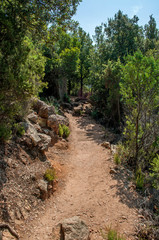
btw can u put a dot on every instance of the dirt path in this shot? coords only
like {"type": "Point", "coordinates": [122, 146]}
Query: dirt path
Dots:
{"type": "Point", "coordinates": [88, 189]}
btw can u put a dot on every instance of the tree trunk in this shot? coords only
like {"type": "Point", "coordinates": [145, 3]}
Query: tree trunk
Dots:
{"type": "Point", "coordinates": [81, 92]}
{"type": "Point", "coordinates": [69, 87]}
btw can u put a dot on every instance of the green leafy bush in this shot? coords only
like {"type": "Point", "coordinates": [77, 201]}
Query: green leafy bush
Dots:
{"type": "Point", "coordinates": [117, 159]}
{"type": "Point", "coordinates": [64, 131]}
{"type": "Point", "coordinates": [139, 89]}
{"type": "Point", "coordinates": [139, 179]}
{"type": "Point", "coordinates": [122, 154]}
{"type": "Point", "coordinates": [50, 174]}
{"type": "Point", "coordinates": [19, 129]}
{"type": "Point", "coordinates": [5, 132]}
{"type": "Point", "coordinates": [60, 130]}
{"type": "Point", "coordinates": [111, 234]}
{"type": "Point", "coordinates": [155, 172]}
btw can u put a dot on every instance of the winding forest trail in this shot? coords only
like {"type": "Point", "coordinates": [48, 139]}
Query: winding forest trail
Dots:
{"type": "Point", "coordinates": [87, 188]}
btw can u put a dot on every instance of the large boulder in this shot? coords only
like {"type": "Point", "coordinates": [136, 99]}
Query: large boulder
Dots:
{"type": "Point", "coordinates": [33, 134]}
{"type": "Point", "coordinates": [42, 122]}
{"type": "Point", "coordinates": [37, 104]}
{"type": "Point", "coordinates": [39, 139]}
{"type": "Point", "coordinates": [71, 229]}
{"type": "Point", "coordinates": [33, 117]}
{"type": "Point", "coordinates": [42, 108]}
{"type": "Point", "coordinates": [45, 111]}
{"type": "Point", "coordinates": [42, 186]}
{"type": "Point", "coordinates": [45, 142]}
{"type": "Point", "coordinates": [54, 121]}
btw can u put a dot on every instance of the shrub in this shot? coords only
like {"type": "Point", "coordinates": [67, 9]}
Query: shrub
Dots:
{"type": "Point", "coordinates": [19, 129]}
{"type": "Point", "coordinates": [64, 131]}
{"type": "Point", "coordinates": [111, 234]}
{"type": "Point", "coordinates": [139, 179]}
{"type": "Point", "coordinates": [139, 89]}
{"type": "Point", "coordinates": [117, 159]}
{"type": "Point", "coordinates": [5, 132]}
{"type": "Point", "coordinates": [60, 130]}
{"type": "Point", "coordinates": [155, 172]}
{"type": "Point", "coordinates": [122, 154]}
{"type": "Point", "coordinates": [50, 174]}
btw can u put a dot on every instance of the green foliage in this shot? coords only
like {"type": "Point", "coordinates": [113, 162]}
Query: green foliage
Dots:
{"type": "Point", "coordinates": [122, 154]}
{"type": "Point", "coordinates": [84, 57]}
{"type": "Point", "coordinates": [95, 114]}
{"type": "Point", "coordinates": [106, 95]}
{"type": "Point", "coordinates": [139, 179]}
{"type": "Point", "coordinates": [20, 79]}
{"type": "Point", "coordinates": [155, 172]}
{"type": "Point", "coordinates": [117, 159]}
{"type": "Point", "coordinates": [66, 98]}
{"type": "Point", "coordinates": [22, 33]}
{"type": "Point", "coordinates": [5, 132]}
{"type": "Point", "coordinates": [64, 131]}
{"type": "Point", "coordinates": [151, 33]}
{"type": "Point", "coordinates": [18, 129]}
{"type": "Point", "coordinates": [61, 130]}
{"type": "Point", "coordinates": [50, 174]}
{"type": "Point", "coordinates": [123, 35]}
{"type": "Point", "coordinates": [111, 234]}
{"type": "Point", "coordinates": [139, 88]}
{"type": "Point", "coordinates": [52, 101]}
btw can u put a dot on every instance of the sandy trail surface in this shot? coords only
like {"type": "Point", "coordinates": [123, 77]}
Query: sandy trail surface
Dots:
{"type": "Point", "coordinates": [86, 188]}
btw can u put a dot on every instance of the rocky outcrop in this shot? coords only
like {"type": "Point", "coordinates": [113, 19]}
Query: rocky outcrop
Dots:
{"type": "Point", "coordinates": [54, 121]}
{"type": "Point", "coordinates": [23, 164]}
{"type": "Point", "coordinates": [71, 229]}
{"type": "Point", "coordinates": [43, 187]}
{"type": "Point", "coordinates": [42, 126]}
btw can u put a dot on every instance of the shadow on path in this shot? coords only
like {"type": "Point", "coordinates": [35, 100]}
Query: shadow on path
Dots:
{"type": "Point", "coordinates": [125, 188]}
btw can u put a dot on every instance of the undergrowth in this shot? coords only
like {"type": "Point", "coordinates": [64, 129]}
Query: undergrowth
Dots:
{"type": "Point", "coordinates": [111, 234]}
{"type": "Point", "coordinates": [50, 174]}
{"type": "Point", "coordinates": [64, 131]}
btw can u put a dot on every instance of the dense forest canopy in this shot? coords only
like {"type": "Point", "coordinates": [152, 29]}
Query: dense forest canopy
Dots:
{"type": "Point", "coordinates": [43, 51]}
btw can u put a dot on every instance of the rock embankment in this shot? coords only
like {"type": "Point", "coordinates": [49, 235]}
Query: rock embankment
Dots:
{"type": "Point", "coordinates": [23, 164]}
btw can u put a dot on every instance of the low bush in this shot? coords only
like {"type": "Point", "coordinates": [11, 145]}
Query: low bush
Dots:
{"type": "Point", "coordinates": [60, 130]}
{"type": "Point", "coordinates": [140, 178]}
{"type": "Point", "coordinates": [155, 172]}
{"type": "Point", "coordinates": [111, 234]}
{"type": "Point", "coordinates": [50, 174]}
{"type": "Point", "coordinates": [121, 154]}
{"type": "Point", "coordinates": [117, 159]}
{"type": "Point", "coordinates": [64, 131]}
{"type": "Point", "coordinates": [19, 129]}
{"type": "Point", "coordinates": [5, 132]}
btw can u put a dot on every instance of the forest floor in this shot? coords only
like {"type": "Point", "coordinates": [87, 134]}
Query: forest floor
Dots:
{"type": "Point", "coordinates": [86, 187]}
